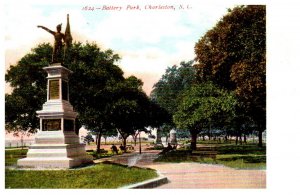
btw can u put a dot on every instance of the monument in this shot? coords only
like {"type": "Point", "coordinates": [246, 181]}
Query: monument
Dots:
{"type": "Point", "coordinates": [173, 139]}
{"type": "Point", "coordinates": [56, 143]}
{"type": "Point", "coordinates": [158, 142]}
{"type": "Point", "coordinates": [158, 137]}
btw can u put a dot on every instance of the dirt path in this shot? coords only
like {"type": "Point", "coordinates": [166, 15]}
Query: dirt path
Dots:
{"type": "Point", "coordinates": [194, 175]}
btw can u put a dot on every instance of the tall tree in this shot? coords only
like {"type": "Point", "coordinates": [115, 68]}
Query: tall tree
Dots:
{"type": "Point", "coordinates": [233, 56]}
{"type": "Point", "coordinates": [166, 92]}
{"type": "Point", "coordinates": [204, 106]}
{"type": "Point", "coordinates": [130, 108]}
{"type": "Point", "coordinates": [91, 85]}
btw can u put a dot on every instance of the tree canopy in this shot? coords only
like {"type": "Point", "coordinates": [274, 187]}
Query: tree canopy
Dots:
{"type": "Point", "coordinates": [176, 79]}
{"type": "Point", "coordinates": [166, 92]}
{"type": "Point", "coordinates": [233, 56]}
{"type": "Point", "coordinates": [204, 106]}
{"type": "Point", "coordinates": [28, 80]}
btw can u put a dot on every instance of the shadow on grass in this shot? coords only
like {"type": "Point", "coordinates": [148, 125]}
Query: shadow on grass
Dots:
{"type": "Point", "coordinates": [246, 159]}
{"type": "Point", "coordinates": [241, 149]}
{"type": "Point", "coordinates": [125, 166]}
{"type": "Point", "coordinates": [175, 156]}
{"type": "Point", "coordinates": [12, 156]}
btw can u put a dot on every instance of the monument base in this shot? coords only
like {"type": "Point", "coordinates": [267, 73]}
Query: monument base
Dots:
{"type": "Point", "coordinates": [55, 156]}
{"type": "Point", "coordinates": [55, 150]}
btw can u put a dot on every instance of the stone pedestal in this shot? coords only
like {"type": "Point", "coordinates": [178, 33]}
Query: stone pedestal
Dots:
{"type": "Point", "coordinates": [158, 142]}
{"type": "Point", "coordinates": [158, 137]}
{"type": "Point", "coordinates": [56, 144]}
{"type": "Point", "coordinates": [173, 139]}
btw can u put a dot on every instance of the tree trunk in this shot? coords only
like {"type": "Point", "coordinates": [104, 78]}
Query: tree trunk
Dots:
{"type": "Point", "coordinates": [236, 140]}
{"type": "Point", "coordinates": [98, 143]}
{"type": "Point", "coordinates": [194, 140]}
{"type": "Point", "coordinates": [124, 143]}
{"type": "Point", "coordinates": [22, 143]}
{"type": "Point", "coordinates": [134, 139]}
{"type": "Point", "coordinates": [245, 138]}
{"type": "Point", "coordinates": [97, 138]}
{"type": "Point", "coordinates": [203, 137]}
{"type": "Point", "coordinates": [209, 133]}
{"type": "Point", "coordinates": [260, 143]}
{"type": "Point", "coordinates": [140, 142]}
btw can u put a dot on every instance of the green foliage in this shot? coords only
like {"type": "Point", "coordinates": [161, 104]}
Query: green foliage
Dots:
{"type": "Point", "coordinates": [175, 80]}
{"type": "Point", "coordinates": [243, 161]}
{"type": "Point", "coordinates": [233, 56]}
{"type": "Point", "coordinates": [98, 176]}
{"type": "Point", "coordinates": [130, 109]}
{"type": "Point", "coordinates": [89, 138]}
{"type": "Point", "coordinates": [204, 106]}
{"type": "Point", "coordinates": [91, 84]}
{"type": "Point", "coordinates": [166, 93]}
{"type": "Point", "coordinates": [158, 116]}
{"type": "Point", "coordinates": [110, 133]}
{"type": "Point", "coordinates": [102, 154]}
{"type": "Point", "coordinates": [28, 80]}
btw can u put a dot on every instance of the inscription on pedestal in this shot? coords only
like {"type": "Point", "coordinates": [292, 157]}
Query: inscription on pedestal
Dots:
{"type": "Point", "coordinates": [51, 124]}
{"type": "Point", "coordinates": [53, 89]}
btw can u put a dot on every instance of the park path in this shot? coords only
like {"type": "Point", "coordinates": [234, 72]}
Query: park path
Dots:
{"type": "Point", "coordinates": [194, 175]}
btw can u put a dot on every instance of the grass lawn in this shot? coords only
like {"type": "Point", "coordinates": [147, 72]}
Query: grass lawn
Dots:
{"type": "Point", "coordinates": [236, 156]}
{"type": "Point", "coordinates": [97, 176]}
{"type": "Point", "coordinates": [12, 155]}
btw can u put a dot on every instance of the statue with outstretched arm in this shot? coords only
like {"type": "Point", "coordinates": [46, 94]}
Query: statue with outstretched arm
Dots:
{"type": "Point", "coordinates": [58, 42]}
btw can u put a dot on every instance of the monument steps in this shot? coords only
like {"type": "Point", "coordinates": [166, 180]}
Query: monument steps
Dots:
{"type": "Point", "coordinates": [53, 162]}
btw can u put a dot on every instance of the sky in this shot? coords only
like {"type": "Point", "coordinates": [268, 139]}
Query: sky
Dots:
{"type": "Point", "coordinates": [148, 41]}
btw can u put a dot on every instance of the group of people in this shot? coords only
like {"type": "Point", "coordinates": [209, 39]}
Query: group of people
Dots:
{"type": "Point", "coordinates": [123, 148]}
{"type": "Point", "coordinates": [115, 149]}
{"type": "Point", "coordinates": [169, 148]}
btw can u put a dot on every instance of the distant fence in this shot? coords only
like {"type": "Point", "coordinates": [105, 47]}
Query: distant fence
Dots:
{"type": "Point", "coordinates": [18, 143]}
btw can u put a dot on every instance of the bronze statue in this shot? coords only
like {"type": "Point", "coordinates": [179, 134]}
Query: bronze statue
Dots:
{"type": "Point", "coordinates": [58, 41]}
